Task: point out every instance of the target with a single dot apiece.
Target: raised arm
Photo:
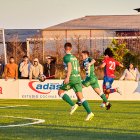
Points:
(92, 62)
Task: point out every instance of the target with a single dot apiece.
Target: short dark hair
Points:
(68, 44)
(25, 56)
(108, 52)
(11, 57)
(86, 52)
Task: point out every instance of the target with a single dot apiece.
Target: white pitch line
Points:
(13, 106)
(36, 121)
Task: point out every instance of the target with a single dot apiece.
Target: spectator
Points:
(49, 67)
(36, 69)
(11, 70)
(24, 68)
(131, 73)
(1, 68)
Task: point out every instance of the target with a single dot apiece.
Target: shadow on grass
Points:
(54, 132)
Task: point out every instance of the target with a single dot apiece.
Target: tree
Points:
(36, 49)
(80, 43)
(15, 48)
(119, 49)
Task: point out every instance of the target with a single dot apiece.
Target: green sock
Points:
(67, 99)
(104, 98)
(86, 106)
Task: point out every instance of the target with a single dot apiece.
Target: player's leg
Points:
(107, 84)
(64, 96)
(96, 88)
(104, 98)
(78, 90)
(85, 83)
(108, 88)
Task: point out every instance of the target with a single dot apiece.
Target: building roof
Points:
(116, 22)
(23, 34)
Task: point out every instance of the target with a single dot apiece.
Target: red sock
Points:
(113, 90)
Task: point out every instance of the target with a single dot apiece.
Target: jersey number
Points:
(112, 65)
(75, 66)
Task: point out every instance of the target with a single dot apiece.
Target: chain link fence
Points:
(41, 48)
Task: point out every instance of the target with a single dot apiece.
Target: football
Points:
(42, 78)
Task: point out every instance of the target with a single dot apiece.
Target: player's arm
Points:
(66, 81)
(92, 62)
(102, 65)
(121, 65)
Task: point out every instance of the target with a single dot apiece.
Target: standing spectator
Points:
(36, 69)
(49, 67)
(11, 70)
(1, 68)
(24, 68)
(131, 73)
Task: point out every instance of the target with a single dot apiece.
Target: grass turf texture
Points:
(122, 122)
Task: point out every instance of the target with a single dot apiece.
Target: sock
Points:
(67, 99)
(113, 90)
(104, 98)
(86, 106)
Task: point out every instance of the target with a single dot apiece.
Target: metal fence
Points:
(41, 48)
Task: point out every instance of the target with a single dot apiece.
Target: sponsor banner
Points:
(9, 89)
(49, 89)
(25, 89)
(41, 90)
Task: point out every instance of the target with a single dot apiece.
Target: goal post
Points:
(3, 52)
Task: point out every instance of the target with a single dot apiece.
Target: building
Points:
(91, 32)
(15, 40)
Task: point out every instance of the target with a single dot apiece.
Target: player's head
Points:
(85, 54)
(68, 47)
(11, 60)
(108, 52)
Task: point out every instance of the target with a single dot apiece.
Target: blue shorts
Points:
(107, 82)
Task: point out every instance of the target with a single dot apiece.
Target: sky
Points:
(39, 14)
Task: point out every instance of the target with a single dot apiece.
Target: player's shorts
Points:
(91, 81)
(107, 82)
(75, 84)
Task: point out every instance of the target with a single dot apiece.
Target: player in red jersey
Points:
(109, 64)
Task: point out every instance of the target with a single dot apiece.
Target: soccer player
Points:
(109, 64)
(73, 81)
(91, 79)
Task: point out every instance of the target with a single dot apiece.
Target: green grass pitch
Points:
(122, 122)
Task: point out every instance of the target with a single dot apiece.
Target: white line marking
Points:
(36, 121)
(13, 106)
